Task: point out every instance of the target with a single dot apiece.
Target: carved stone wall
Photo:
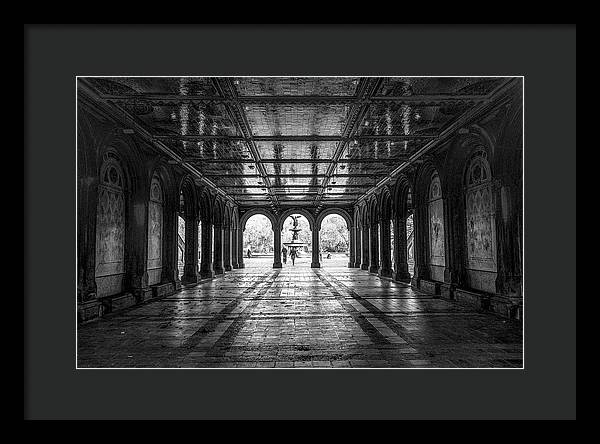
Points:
(437, 256)
(155, 230)
(480, 225)
(110, 230)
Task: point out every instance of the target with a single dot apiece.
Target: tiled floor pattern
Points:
(300, 317)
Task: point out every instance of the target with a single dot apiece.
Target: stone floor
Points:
(300, 317)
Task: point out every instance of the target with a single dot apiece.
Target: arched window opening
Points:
(297, 239)
(480, 223)
(335, 242)
(155, 232)
(110, 229)
(258, 241)
(437, 256)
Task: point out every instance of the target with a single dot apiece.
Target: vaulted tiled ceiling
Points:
(281, 141)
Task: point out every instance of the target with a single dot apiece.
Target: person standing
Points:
(284, 254)
(293, 256)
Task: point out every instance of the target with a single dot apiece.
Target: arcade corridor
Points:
(424, 175)
(300, 317)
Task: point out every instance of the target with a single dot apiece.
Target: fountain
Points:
(294, 244)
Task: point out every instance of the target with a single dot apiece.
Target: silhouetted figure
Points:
(293, 256)
(249, 253)
(284, 254)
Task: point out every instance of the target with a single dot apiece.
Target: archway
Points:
(334, 239)
(258, 241)
(301, 255)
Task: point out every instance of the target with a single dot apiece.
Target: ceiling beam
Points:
(275, 188)
(366, 89)
(299, 176)
(125, 120)
(175, 99)
(345, 160)
(465, 119)
(226, 88)
(304, 138)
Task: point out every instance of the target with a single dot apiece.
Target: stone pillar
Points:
(400, 273)
(241, 252)
(190, 256)
(385, 269)
(315, 248)
(420, 244)
(235, 248)
(509, 281)
(374, 248)
(86, 240)
(218, 250)
(227, 248)
(365, 248)
(206, 270)
(351, 246)
(277, 249)
(357, 246)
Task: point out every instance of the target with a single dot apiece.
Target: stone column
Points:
(240, 241)
(206, 270)
(365, 248)
(401, 273)
(385, 269)
(227, 248)
(218, 250)
(234, 248)
(357, 246)
(315, 248)
(87, 208)
(420, 244)
(351, 246)
(508, 228)
(190, 257)
(374, 248)
(277, 249)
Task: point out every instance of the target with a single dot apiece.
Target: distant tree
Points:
(334, 234)
(258, 235)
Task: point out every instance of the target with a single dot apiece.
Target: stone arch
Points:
(364, 215)
(227, 216)
(205, 206)
(235, 219)
(128, 152)
(338, 211)
(187, 192)
(402, 196)
(357, 218)
(289, 212)
(168, 183)
(373, 210)
(218, 212)
(248, 214)
(458, 155)
(384, 203)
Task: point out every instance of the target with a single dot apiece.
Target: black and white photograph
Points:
(296, 221)
(300, 222)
